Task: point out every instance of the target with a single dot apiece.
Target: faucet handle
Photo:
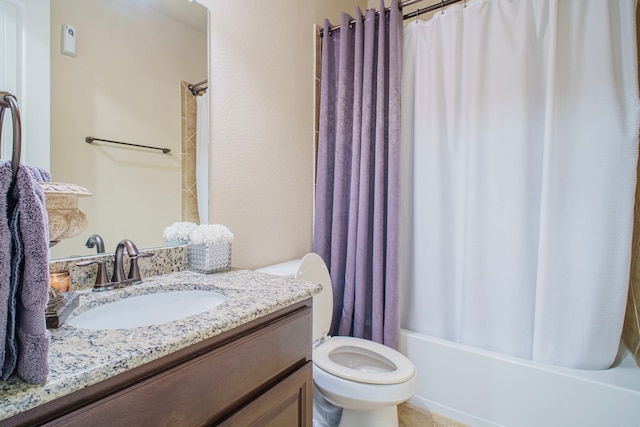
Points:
(134, 270)
(101, 277)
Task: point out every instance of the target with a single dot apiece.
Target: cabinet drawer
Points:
(207, 387)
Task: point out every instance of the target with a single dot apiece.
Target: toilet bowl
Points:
(364, 378)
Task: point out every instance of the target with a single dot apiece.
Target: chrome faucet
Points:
(95, 241)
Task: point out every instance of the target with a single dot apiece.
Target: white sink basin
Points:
(147, 310)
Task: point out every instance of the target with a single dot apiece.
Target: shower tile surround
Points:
(188, 123)
(77, 358)
(631, 330)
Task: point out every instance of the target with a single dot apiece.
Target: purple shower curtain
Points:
(357, 190)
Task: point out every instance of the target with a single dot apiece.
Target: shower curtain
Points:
(520, 136)
(202, 156)
(357, 196)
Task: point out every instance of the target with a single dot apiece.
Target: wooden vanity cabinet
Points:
(257, 374)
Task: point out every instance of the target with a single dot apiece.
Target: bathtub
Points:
(481, 388)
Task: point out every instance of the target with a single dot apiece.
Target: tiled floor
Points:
(413, 416)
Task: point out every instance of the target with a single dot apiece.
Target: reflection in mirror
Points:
(125, 83)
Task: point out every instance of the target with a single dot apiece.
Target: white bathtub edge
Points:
(486, 390)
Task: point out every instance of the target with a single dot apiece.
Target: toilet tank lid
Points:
(286, 269)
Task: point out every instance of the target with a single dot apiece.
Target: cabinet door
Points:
(287, 404)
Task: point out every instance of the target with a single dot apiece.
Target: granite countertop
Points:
(81, 357)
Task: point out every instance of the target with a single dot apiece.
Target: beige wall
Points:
(262, 123)
(123, 85)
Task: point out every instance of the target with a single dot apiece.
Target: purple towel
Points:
(17, 260)
(33, 292)
(5, 255)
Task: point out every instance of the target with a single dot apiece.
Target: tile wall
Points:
(188, 108)
(631, 331)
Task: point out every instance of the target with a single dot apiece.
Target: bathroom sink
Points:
(148, 310)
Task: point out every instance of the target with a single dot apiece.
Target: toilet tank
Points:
(312, 269)
(285, 269)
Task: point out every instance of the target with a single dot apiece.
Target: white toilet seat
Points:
(388, 365)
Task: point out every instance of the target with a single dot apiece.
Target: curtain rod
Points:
(418, 12)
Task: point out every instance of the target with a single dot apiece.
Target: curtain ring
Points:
(464, 3)
(442, 6)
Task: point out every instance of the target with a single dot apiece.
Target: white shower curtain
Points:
(520, 135)
(202, 156)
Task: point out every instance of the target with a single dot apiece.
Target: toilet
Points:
(364, 378)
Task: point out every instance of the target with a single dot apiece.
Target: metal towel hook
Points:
(9, 101)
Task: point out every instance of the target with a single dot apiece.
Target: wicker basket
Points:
(209, 257)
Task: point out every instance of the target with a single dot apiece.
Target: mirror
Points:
(124, 84)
